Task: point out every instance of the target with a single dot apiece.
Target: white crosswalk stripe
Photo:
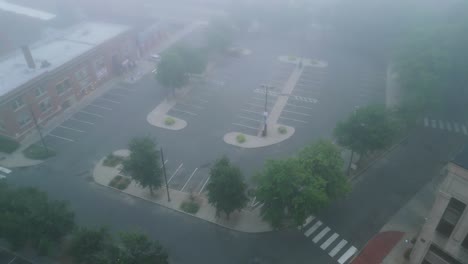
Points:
(330, 240)
(426, 122)
(308, 221)
(434, 124)
(313, 228)
(349, 253)
(457, 129)
(338, 248)
(2, 176)
(441, 124)
(5, 170)
(449, 127)
(464, 130)
(446, 125)
(321, 235)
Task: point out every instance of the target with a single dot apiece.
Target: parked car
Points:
(155, 57)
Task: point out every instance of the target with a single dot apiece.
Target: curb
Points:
(180, 211)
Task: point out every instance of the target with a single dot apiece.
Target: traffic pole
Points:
(165, 176)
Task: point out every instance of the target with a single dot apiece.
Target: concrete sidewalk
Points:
(245, 220)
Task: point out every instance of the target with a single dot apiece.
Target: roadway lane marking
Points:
(457, 129)
(321, 235)
(70, 128)
(182, 111)
(292, 119)
(175, 172)
(245, 110)
(329, 241)
(349, 253)
(5, 170)
(293, 105)
(194, 171)
(89, 113)
(449, 127)
(308, 220)
(313, 228)
(297, 113)
(464, 129)
(441, 124)
(338, 248)
(78, 120)
(248, 118)
(203, 187)
(108, 100)
(67, 139)
(237, 124)
(102, 107)
(426, 122)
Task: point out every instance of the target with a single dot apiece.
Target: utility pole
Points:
(265, 113)
(38, 128)
(165, 176)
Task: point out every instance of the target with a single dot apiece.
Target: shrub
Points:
(8, 145)
(112, 160)
(38, 152)
(282, 130)
(169, 121)
(407, 253)
(240, 138)
(115, 181)
(292, 58)
(123, 183)
(190, 207)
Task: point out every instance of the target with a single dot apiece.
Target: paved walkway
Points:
(244, 220)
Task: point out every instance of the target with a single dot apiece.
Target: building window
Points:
(23, 118)
(45, 105)
(17, 103)
(450, 217)
(100, 68)
(63, 86)
(83, 79)
(41, 90)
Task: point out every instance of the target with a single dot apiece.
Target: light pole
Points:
(38, 128)
(165, 177)
(265, 113)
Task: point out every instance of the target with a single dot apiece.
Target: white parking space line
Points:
(457, 129)
(263, 100)
(191, 105)
(175, 172)
(328, 242)
(102, 107)
(256, 105)
(248, 118)
(338, 248)
(67, 139)
(426, 122)
(70, 128)
(108, 100)
(182, 111)
(250, 111)
(5, 170)
(201, 100)
(237, 124)
(321, 235)
(2, 176)
(305, 107)
(164, 164)
(308, 220)
(313, 228)
(292, 119)
(203, 187)
(441, 124)
(449, 127)
(92, 114)
(11, 261)
(349, 253)
(193, 173)
(118, 94)
(297, 113)
(78, 120)
(434, 123)
(464, 130)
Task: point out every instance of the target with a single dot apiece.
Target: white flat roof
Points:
(76, 41)
(26, 11)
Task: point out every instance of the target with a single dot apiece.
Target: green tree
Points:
(171, 73)
(226, 190)
(194, 60)
(367, 129)
(93, 246)
(143, 164)
(289, 193)
(137, 248)
(219, 35)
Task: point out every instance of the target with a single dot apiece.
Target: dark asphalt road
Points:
(384, 189)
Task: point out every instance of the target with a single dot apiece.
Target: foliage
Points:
(282, 130)
(38, 152)
(240, 138)
(169, 121)
(191, 206)
(28, 216)
(226, 190)
(120, 182)
(8, 145)
(112, 160)
(219, 35)
(297, 187)
(136, 248)
(194, 59)
(93, 246)
(143, 163)
(367, 129)
(171, 71)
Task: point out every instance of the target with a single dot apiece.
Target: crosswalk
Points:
(4, 171)
(338, 248)
(449, 126)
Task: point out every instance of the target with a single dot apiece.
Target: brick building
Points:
(44, 79)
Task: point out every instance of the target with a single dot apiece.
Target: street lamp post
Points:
(165, 176)
(36, 124)
(265, 113)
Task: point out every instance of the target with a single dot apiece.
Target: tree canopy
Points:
(171, 71)
(143, 164)
(137, 248)
(226, 190)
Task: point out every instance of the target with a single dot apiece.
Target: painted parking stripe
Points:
(242, 125)
(193, 173)
(191, 105)
(441, 124)
(203, 187)
(256, 105)
(449, 127)
(72, 129)
(312, 229)
(321, 235)
(250, 111)
(2, 176)
(182, 111)
(5, 170)
(78, 120)
(67, 139)
(457, 129)
(338, 248)
(11, 261)
(297, 113)
(161, 166)
(92, 114)
(308, 221)
(108, 100)
(349, 253)
(329, 241)
(263, 100)
(434, 123)
(305, 107)
(201, 100)
(248, 118)
(295, 120)
(175, 172)
(102, 107)
(118, 94)
(464, 129)
(426, 122)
